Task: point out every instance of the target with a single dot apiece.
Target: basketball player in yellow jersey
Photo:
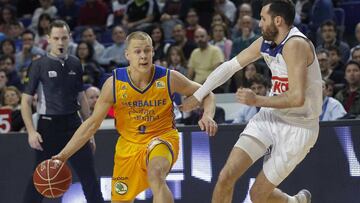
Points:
(148, 144)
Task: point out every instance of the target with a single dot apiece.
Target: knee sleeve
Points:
(252, 146)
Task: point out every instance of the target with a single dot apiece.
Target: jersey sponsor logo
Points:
(160, 84)
(144, 103)
(120, 178)
(141, 114)
(121, 188)
(280, 85)
(52, 74)
(267, 59)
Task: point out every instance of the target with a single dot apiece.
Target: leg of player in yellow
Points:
(160, 161)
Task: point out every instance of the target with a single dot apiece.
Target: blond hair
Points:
(10, 88)
(138, 35)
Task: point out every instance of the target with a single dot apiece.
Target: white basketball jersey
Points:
(310, 111)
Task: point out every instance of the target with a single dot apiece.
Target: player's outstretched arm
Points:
(224, 72)
(186, 87)
(297, 54)
(91, 125)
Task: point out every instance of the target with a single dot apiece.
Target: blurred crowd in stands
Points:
(189, 36)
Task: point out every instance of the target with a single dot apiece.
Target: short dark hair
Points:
(260, 79)
(16, 23)
(329, 82)
(335, 48)
(59, 24)
(322, 50)
(27, 31)
(5, 57)
(351, 62)
(283, 8)
(330, 23)
(86, 29)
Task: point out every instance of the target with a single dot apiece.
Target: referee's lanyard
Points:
(324, 106)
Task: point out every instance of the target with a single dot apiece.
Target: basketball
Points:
(52, 178)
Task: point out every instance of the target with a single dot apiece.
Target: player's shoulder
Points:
(297, 40)
(174, 75)
(109, 82)
(297, 43)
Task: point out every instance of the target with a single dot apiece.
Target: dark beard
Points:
(271, 33)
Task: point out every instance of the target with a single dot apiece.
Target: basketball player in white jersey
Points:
(289, 118)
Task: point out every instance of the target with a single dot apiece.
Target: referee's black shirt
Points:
(57, 83)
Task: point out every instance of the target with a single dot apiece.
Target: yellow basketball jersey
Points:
(141, 115)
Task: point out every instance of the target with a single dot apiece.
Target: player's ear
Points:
(127, 54)
(278, 20)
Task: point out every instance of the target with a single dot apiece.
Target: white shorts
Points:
(289, 144)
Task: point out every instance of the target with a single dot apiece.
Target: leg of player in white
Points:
(262, 191)
(289, 147)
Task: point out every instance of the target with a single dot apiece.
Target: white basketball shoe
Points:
(303, 196)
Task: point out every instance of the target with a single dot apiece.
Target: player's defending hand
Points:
(208, 124)
(189, 104)
(34, 140)
(246, 96)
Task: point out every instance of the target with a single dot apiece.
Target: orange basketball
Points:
(52, 178)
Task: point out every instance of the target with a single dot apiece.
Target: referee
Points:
(57, 80)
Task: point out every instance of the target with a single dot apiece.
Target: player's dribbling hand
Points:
(189, 104)
(246, 96)
(34, 140)
(59, 157)
(208, 124)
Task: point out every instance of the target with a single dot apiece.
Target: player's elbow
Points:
(92, 126)
(297, 100)
(211, 96)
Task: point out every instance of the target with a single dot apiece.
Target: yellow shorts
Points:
(130, 165)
